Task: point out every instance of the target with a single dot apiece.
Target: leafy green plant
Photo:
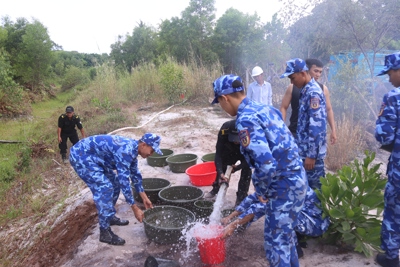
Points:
(172, 81)
(353, 198)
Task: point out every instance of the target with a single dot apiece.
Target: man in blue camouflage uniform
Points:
(96, 158)
(310, 219)
(387, 133)
(278, 175)
(311, 125)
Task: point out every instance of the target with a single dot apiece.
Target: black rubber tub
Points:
(181, 196)
(180, 162)
(164, 224)
(208, 157)
(157, 160)
(152, 186)
(203, 208)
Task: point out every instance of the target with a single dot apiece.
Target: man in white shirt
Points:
(259, 90)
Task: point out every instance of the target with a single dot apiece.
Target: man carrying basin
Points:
(228, 153)
(310, 221)
(95, 158)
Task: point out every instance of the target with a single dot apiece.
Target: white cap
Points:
(256, 71)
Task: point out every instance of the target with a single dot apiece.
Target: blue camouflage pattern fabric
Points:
(294, 66)
(387, 132)
(311, 130)
(310, 221)
(392, 62)
(278, 176)
(224, 85)
(152, 140)
(95, 160)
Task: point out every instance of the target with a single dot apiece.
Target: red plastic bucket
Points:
(210, 244)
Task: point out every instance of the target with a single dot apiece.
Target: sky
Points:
(91, 26)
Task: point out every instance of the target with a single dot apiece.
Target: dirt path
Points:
(183, 131)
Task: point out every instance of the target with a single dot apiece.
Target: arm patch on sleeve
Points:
(314, 103)
(244, 137)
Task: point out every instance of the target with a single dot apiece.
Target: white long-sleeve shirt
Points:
(260, 93)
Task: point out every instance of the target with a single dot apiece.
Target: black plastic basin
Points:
(182, 196)
(164, 224)
(152, 186)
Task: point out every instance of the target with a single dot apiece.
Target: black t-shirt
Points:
(294, 103)
(68, 125)
(228, 153)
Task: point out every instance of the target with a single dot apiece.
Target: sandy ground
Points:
(184, 131)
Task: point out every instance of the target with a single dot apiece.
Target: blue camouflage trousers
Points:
(102, 182)
(390, 233)
(281, 213)
(314, 175)
(311, 225)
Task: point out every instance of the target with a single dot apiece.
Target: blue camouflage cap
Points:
(152, 140)
(392, 62)
(225, 85)
(293, 66)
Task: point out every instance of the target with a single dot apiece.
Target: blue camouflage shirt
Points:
(114, 153)
(311, 124)
(267, 145)
(387, 129)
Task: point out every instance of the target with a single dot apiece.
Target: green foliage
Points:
(131, 51)
(104, 104)
(74, 76)
(353, 198)
(11, 213)
(12, 96)
(35, 56)
(171, 81)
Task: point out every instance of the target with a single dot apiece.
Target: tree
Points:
(139, 48)
(35, 56)
(239, 41)
(198, 21)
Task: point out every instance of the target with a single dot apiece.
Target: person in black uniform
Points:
(66, 129)
(228, 153)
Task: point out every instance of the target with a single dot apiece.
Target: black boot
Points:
(302, 240)
(300, 253)
(117, 221)
(385, 262)
(107, 236)
(64, 158)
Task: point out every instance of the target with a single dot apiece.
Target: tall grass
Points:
(349, 145)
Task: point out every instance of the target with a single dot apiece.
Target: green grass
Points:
(42, 122)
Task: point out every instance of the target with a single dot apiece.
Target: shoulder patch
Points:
(244, 137)
(314, 103)
(224, 131)
(381, 110)
(62, 116)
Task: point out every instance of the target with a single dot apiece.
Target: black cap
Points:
(69, 109)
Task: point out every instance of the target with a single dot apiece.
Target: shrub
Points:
(73, 77)
(171, 81)
(353, 198)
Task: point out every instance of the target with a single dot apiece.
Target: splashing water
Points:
(215, 217)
